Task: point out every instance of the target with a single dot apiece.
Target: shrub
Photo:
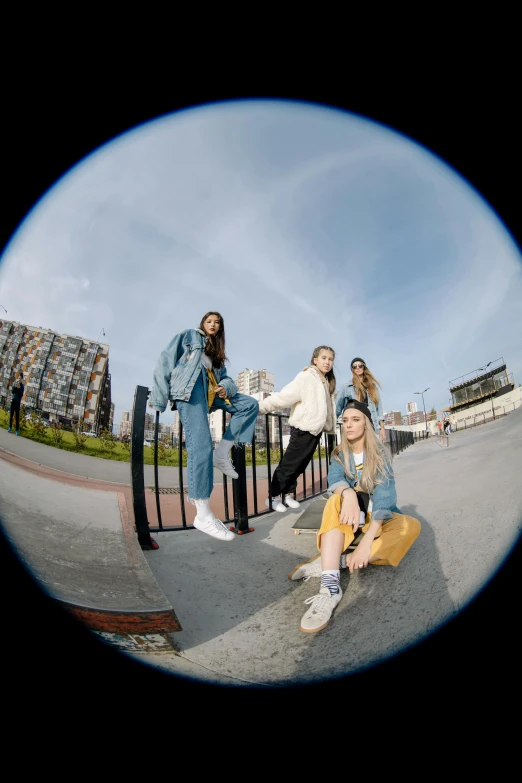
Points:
(56, 433)
(107, 440)
(80, 438)
(38, 428)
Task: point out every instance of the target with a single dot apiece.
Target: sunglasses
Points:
(357, 366)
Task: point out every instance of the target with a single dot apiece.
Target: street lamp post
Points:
(422, 393)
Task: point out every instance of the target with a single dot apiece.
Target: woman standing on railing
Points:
(311, 399)
(364, 387)
(360, 467)
(191, 372)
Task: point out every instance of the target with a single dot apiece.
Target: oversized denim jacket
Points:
(178, 368)
(349, 392)
(384, 497)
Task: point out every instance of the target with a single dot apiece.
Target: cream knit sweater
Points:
(306, 396)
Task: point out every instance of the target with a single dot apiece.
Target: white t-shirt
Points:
(359, 464)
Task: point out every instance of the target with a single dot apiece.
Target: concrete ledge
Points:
(121, 622)
(80, 545)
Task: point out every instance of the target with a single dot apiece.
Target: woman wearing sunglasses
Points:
(364, 388)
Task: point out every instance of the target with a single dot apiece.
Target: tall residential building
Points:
(273, 424)
(254, 381)
(150, 423)
(393, 418)
(125, 424)
(166, 431)
(170, 431)
(215, 421)
(65, 376)
(411, 407)
(417, 417)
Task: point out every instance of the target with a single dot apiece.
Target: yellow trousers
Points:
(391, 543)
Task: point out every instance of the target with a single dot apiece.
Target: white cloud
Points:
(301, 225)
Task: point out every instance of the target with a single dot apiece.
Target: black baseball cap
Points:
(360, 406)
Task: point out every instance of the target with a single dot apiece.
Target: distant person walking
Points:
(17, 394)
(447, 427)
(311, 399)
(191, 372)
(364, 387)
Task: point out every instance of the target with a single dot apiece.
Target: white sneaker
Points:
(276, 505)
(291, 503)
(214, 527)
(307, 570)
(224, 464)
(321, 609)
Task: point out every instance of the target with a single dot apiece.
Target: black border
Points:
(51, 125)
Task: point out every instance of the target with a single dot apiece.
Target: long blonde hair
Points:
(377, 458)
(330, 377)
(367, 382)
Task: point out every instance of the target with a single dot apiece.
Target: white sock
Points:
(203, 509)
(222, 450)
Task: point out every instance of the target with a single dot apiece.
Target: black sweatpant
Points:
(295, 459)
(15, 411)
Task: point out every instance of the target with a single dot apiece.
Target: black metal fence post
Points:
(136, 461)
(268, 462)
(239, 486)
(330, 447)
(156, 479)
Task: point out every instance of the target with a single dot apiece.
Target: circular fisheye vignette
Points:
(306, 104)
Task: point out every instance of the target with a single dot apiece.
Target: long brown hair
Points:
(215, 347)
(377, 458)
(329, 375)
(367, 382)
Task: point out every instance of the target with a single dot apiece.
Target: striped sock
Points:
(330, 579)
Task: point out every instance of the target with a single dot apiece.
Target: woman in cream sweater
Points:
(311, 399)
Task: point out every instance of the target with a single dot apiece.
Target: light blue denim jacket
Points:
(349, 392)
(179, 367)
(384, 497)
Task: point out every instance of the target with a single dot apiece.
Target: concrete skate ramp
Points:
(80, 546)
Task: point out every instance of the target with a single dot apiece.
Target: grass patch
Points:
(115, 450)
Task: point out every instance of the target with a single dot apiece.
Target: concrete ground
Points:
(240, 614)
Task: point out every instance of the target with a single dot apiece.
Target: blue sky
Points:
(302, 225)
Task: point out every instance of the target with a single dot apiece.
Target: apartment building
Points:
(66, 377)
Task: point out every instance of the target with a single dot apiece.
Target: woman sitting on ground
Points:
(360, 464)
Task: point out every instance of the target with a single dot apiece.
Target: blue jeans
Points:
(194, 418)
